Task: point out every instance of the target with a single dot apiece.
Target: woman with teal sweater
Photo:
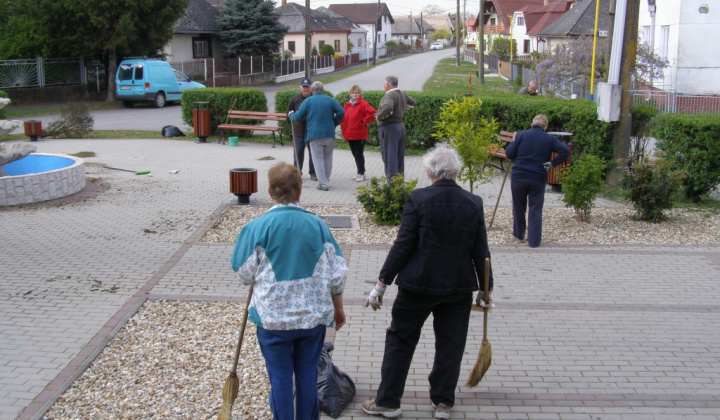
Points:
(298, 272)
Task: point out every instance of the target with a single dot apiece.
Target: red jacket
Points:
(356, 116)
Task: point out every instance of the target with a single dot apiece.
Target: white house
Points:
(366, 16)
(684, 32)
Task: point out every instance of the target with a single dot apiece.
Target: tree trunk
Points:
(111, 70)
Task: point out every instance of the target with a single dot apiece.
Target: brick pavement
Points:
(579, 332)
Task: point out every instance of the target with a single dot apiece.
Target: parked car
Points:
(150, 80)
(436, 45)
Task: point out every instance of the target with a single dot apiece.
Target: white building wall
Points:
(693, 56)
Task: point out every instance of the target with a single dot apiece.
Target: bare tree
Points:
(433, 9)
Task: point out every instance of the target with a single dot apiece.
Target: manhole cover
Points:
(341, 222)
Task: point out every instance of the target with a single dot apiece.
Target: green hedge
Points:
(2, 111)
(692, 144)
(221, 100)
(513, 113)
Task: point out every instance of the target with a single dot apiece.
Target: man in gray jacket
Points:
(391, 129)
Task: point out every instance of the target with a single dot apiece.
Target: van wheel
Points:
(159, 100)
(127, 104)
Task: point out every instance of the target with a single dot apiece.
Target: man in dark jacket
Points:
(530, 152)
(391, 129)
(299, 129)
(436, 261)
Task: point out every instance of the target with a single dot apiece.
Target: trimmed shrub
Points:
(692, 144)
(650, 186)
(75, 121)
(327, 50)
(385, 200)
(582, 182)
(221, 100)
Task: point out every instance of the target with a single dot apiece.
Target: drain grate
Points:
(338, 222)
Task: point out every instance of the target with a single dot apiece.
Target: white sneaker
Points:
(360, 178)
(442, 411)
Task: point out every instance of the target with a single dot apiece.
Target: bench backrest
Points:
(507, 136)
(256, 115)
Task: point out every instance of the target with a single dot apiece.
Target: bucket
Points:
(232, 141)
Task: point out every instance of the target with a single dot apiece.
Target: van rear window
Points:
(126, 71)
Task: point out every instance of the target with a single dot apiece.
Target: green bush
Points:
(692, 144)
(650, 186)
(642, 117)
(327, 50)
(470, 133)
(385, 200)
(220, 101)
(582, 182)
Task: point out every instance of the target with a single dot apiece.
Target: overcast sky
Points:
(401, 8)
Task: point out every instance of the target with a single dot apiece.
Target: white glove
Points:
(547, 166)
(374, 300)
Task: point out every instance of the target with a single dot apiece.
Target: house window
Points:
(526, 46)
(492, 21)
(321, 44)
(520, 21)
(201, 48)
(337, 45)
(405, 37)
(664, 41)
(291, 46)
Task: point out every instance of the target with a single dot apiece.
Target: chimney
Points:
(284, 2)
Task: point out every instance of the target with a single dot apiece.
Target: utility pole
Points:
(307, 39)
(457, 35)
(481, 43)
(622, 130)
(375, 41)
(412, 46)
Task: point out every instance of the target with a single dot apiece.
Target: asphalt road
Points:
(412, 71)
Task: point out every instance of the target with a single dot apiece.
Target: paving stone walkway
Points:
(579, 332)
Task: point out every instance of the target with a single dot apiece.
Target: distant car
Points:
(436, 46)
(150, 80)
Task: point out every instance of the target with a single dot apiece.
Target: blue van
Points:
(150, 80)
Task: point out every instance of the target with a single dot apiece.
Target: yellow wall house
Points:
(326, 27)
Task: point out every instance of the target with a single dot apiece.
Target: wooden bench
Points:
(237, 120)
(497, 152)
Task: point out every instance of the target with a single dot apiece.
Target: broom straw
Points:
(484, 358)
(232, 385)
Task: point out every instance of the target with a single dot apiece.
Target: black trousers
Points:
(451, 316)
(299, 155)
(528, 195)
(357, 147)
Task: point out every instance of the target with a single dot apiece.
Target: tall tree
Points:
(433, 9)
(250, 27)
(103, 29)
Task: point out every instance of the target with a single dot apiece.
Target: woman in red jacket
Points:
(358, 116)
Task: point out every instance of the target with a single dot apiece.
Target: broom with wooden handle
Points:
(232, 385)
(484, 358)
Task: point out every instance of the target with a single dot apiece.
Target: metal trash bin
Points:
(243, 182)
(201, 121)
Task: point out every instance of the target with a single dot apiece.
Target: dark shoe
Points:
(313, 177)
(370, 408)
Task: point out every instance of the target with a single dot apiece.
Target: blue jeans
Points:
(293, 352)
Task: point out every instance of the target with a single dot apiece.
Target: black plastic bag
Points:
(171, 131)
(335, 388)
